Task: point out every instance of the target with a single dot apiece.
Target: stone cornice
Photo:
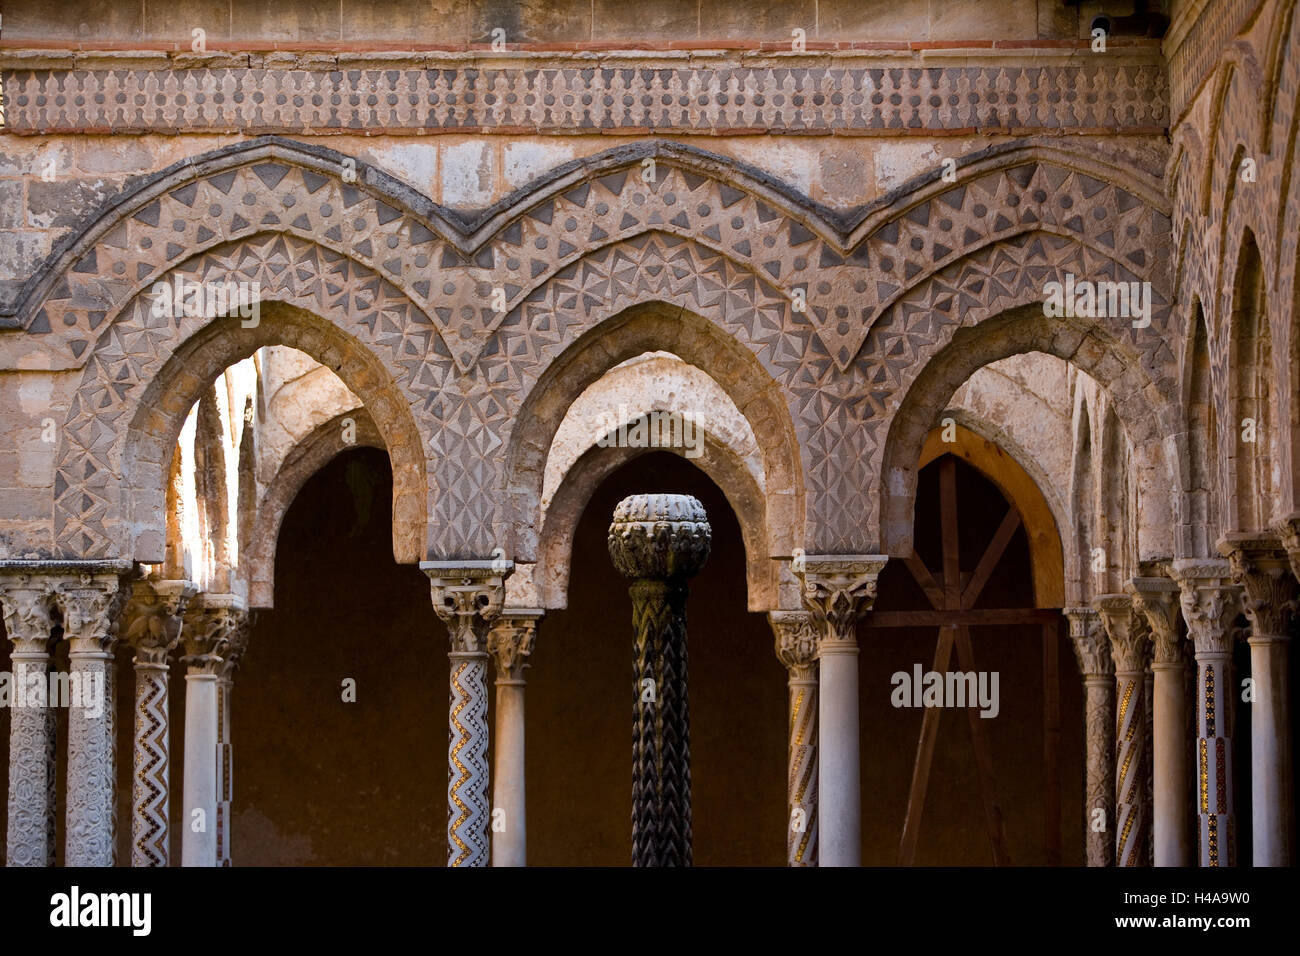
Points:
(1019, 92)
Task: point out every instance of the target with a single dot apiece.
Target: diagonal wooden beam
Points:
(926, 581)
(983, 759)
(924, 759)
(992, 555)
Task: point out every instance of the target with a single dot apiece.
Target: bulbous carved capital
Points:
(1210, 603)
(838, 590)
(28, 604)
(510, 641)
(211, 622)
(1269, 591)
(1130, 637)
(659, 537)
(91, 605)
(1155, 599)
(467, 597)
(1091, 645)
(796, 642)
(151, 620)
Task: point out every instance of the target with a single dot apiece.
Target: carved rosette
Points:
(1263, 571)
(467, 597)
(659, 542)
(796, 646)
(510, 643)
(152, 625)
(1092, 652)
(91, 605)
(28, 605)
(838, 590)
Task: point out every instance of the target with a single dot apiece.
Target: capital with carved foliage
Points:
(467, 597)
(796, 642)
(838, 589)
(1263, 570)
(211, 622)
(1210, 602)
(1130, 637)
(1091, 645)
(151, 621)
(92, 602)
(29, 611)
(1156, 600)
(510, 641)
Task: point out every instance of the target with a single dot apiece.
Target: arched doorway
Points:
(968, 789)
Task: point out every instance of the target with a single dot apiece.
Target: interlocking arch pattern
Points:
(886, 286)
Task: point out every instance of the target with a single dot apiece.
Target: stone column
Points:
(28, 602)
(1261, 568)
(660, 542)
(209, 625)
(91, 603)
(796, 646)
(1156, 599)
(1210, 603)
(467, 596)
(152, 626)
(510, 643)
(231, 660)
(838, 589)
(1130, 646)
(1092, 653)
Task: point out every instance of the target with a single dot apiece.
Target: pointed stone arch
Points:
(146, 371)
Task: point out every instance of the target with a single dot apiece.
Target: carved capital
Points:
(1288, 532)
(211, 622)
(1156, 599)
(1130, 637)
(467, 597)
(1210, 603)
(510, 641)
(838, 589)
(92, 603)
(796, 642)
(1091, 645)
(1262, 569)
(659, 537)
(29, 611)
(236, 645)
(151, 620)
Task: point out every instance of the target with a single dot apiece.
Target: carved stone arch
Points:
(1020, 329)
(1117, 507)
(146, 371)
(723, 467)
(309, 456)
(655, 293)
(1280, 55)
(748, 354)
(1200, 407)
(1250, 371)
(1221, 90)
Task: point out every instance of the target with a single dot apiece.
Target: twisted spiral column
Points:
(28, 604)
(796, 646)
(1092, 652)
(1210, 604)
(467, 596)
(1130, 644)
(659, 542)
